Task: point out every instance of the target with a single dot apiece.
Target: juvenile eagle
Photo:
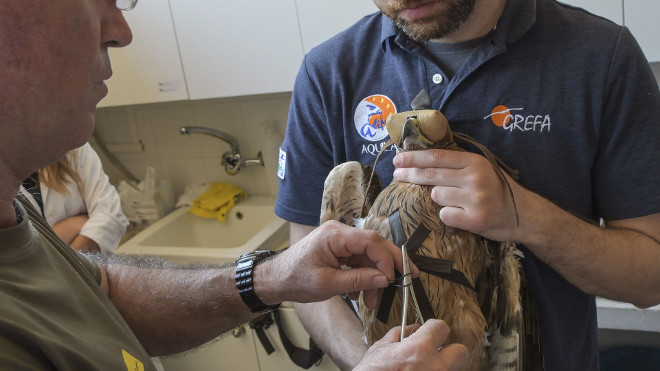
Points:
(474, 284)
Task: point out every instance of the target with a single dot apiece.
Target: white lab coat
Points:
(107, 222)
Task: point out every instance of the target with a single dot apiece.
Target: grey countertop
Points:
(623, 316)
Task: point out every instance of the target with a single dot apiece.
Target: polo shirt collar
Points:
(518, 17)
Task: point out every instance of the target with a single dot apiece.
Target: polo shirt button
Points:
(437, 78)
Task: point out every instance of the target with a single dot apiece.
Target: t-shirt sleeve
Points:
(626, 172)
(306, 154)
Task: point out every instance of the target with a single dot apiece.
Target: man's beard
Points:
(437, 25)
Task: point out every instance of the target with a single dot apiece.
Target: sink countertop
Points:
(183, 238)
(623, 316)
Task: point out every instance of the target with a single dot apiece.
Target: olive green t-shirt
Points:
(53, 313)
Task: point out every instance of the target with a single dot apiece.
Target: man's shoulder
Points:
(573, 18)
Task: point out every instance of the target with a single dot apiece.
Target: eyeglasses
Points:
(126, 4)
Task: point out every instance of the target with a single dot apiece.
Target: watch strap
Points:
(244, 278)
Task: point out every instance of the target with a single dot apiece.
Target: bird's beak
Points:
(412, 137)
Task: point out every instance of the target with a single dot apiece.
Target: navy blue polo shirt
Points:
(563, 96)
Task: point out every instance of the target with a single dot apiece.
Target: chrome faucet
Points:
(231, 160)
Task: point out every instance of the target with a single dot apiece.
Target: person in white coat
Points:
(78, 201)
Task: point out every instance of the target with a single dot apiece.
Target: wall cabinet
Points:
(322, 19)
(149, 70)
(231, 48)
(198, 49)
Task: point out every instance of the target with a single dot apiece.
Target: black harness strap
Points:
(437, 267)
(425, 308)
(398, 238)
(386, 301)
(441, 268)
(412, 244)
(396, 228)
(260, 325)
(416, 238)
(304, 358)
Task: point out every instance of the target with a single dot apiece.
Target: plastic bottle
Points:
(270, 150)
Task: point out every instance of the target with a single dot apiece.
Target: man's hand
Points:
(311, 270)
(422, 350)
(466, 185)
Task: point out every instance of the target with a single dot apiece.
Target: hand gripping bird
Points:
(474, 284)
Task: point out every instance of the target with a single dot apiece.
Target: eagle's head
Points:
(420, 129)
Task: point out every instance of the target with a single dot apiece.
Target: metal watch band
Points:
(245, 265)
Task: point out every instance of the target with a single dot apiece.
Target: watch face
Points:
(257, 253)
(249, 255)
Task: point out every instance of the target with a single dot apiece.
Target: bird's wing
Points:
(502, 306)
(510, 311)
(532, 352)
(348, 193)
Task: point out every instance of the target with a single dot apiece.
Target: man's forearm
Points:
(617, 262)
(84, 243)
(332, 324)
(173, 309)
(335, 329)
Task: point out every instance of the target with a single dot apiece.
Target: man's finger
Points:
(384, 255)
(431, 158)
(434, 329)
(359, 279)
(455, 355)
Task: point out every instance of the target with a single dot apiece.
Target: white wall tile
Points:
(171, 145)
(181, 172)
(246, 179)
(196, 158)
(224, 115)
(273, 109)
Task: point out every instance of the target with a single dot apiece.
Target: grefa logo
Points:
(512, 119)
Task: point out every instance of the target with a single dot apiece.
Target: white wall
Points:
(656, 70)
(183, 160)
(196, 158)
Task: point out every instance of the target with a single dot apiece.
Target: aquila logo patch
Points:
(370, 117)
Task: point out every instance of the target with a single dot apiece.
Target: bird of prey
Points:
(474, 284)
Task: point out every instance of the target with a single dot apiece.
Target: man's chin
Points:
(420, 30)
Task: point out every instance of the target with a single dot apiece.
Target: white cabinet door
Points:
(322, 19)
(229, 353)
(232, 48)
(149, 69)
(642, 19)
(610, 9)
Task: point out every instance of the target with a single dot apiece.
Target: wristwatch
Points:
(245, 265)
